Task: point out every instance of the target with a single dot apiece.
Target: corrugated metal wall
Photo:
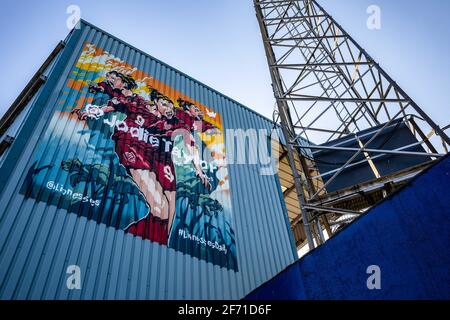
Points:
(38, 241)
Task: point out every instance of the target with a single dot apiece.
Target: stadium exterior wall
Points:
(39, 240)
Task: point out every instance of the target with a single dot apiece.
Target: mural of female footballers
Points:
(149, 164)
(123, 148)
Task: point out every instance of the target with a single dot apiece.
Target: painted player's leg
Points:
(171, 198)
(153, 192)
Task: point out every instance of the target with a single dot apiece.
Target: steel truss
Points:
(328, 87)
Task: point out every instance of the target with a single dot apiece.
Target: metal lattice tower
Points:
(328, 87)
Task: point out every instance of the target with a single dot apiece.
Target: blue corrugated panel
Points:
(40, 239)
(406, 236)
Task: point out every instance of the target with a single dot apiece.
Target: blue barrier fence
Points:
(407, 236)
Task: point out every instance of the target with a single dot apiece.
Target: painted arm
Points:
(102, 87)
(94, 112)
(189, 142)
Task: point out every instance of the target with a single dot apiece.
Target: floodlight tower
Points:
(331, 92)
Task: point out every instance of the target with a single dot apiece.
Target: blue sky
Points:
(218, 42)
